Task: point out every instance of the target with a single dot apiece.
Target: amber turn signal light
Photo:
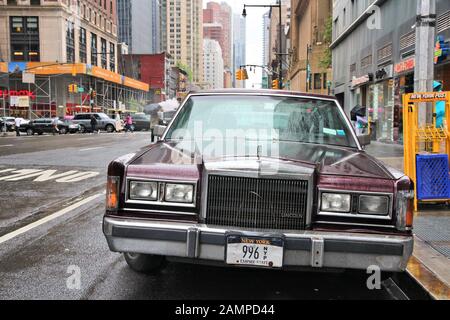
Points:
(112, 193)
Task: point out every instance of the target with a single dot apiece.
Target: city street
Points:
(36, 255)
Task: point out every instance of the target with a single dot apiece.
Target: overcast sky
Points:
(254, 33)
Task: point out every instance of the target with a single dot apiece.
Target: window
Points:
(317, 81)
(104, 54)
(83, 43)
(94, 49)
(112, 56)
(24, 35)
(70, 41)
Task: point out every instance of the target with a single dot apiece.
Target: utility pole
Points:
(425, 43)
(280, 55)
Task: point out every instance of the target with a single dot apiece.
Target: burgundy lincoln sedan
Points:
(263, 179)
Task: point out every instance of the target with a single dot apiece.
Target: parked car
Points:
(263, 179)
(72, 127)
(41, 126)
(141, 122)
(10, 123)
(103, 122)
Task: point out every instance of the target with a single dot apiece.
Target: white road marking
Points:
(89, 149)
(78, 177)
(47, 175)
(7, 145)
(51, 217)
(6, 170)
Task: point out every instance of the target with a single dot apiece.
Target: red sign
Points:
(406, 65)
(14, 93)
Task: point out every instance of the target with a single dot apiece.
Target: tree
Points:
(327, 58)
(185, 68)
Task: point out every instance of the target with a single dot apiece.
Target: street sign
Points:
(28, 77)
(80, 90)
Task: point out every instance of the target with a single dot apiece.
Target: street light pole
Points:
(280, 31)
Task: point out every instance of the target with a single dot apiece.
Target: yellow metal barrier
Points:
(426, 138)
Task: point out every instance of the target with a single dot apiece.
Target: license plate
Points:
(253, 251)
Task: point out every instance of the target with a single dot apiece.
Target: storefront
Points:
(380, 102)
(65, 89)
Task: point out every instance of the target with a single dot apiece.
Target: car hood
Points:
(167, 158)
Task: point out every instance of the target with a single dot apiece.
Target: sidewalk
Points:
(430, 265)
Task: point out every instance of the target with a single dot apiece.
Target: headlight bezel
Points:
(161, 193)
(354, 212)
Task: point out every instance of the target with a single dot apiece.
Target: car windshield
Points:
(262, 118)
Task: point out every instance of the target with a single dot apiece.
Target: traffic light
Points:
(73, 88)
(275, 84)
(244, 74)
(239, 74)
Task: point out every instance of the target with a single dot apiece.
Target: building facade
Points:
(184, 35)
(221, 13)
(153, 69)
(134, 16)
(307, 72)
(239, 47)
(374, 60)
(213, 64)
(62, 43)
(265, 53)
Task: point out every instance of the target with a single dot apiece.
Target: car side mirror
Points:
(364, 140)
(159, 130)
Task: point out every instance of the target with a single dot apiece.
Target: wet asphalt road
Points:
(35, 263)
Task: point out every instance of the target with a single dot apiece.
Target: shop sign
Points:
(428, 96)
(14, 93)
(362, 80)
(441, 50)
(19, 101)
(405, 66)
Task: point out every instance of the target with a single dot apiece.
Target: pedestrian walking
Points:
(93, 123)
(17, 123)
(55, 128)
(129, 123)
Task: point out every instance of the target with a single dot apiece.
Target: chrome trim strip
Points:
(351, 215)
(160, 211)
(355, 224)
(161, 191)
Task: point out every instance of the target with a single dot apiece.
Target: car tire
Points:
(144, 263)
(109, 128)
(82, 129)
(62, 131)
(30, 132)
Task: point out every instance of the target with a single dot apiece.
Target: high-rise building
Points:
(134, 16)
(184, 35)
(239, 49)
(266, 56)
(220, 13)
(213, 64)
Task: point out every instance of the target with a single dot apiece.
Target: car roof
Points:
(265, 92)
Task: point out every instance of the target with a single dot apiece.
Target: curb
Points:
(430, 269)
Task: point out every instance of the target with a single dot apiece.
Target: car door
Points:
(100, 121)
(47, 126)
(37, 125)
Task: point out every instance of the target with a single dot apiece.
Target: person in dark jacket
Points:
(93, 124)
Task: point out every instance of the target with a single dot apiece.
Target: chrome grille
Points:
(257, 203)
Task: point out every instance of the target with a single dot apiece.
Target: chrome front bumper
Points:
(302, 248)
